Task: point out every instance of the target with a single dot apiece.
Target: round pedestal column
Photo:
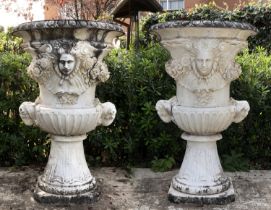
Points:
(201, 178)
(66, 177)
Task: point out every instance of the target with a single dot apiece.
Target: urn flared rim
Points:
(67, 24)
(204, 24)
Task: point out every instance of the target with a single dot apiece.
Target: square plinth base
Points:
(219, 199)
(44, 197)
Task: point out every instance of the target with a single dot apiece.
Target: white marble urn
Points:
(203, 66)
(67, 64)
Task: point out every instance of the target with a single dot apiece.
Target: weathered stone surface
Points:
(140, 190)
(204, 23)
(80, 198)
(56, 24)
(67, 64)
(225, 197)
(203, 66)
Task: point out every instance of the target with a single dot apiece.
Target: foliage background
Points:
(257, 14)
(138, 80)
(19, 144)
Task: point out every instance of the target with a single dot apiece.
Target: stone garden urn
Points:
(203, 66)
(67, 64)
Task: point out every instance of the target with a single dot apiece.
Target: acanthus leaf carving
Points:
(50, 175)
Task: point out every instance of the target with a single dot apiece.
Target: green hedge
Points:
(257, 14)
(252, 137)
(18, 144)
(137, 136)
(138, 80)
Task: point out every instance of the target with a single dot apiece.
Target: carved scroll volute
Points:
(229, 69)
(180, 63)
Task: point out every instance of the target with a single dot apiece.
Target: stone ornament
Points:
(203, 66)
(67, 64)
(75, 65)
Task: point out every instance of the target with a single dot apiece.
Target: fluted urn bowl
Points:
(66, 122)
(203, 121)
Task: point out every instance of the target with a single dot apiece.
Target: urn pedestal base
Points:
(201, 178)
(44, 197)
(66, 178)
(217, 199)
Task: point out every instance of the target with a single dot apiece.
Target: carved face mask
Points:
(66, 64)
(204, 65)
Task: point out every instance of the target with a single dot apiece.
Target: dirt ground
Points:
(140, 190)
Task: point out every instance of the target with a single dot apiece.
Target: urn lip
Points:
(204, 24)
(67, 24)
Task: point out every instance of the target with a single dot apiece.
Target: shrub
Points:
(138, 80)
(252, 137)
(257, 14)
(10, 43)
(163, 164)
(18, 144)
